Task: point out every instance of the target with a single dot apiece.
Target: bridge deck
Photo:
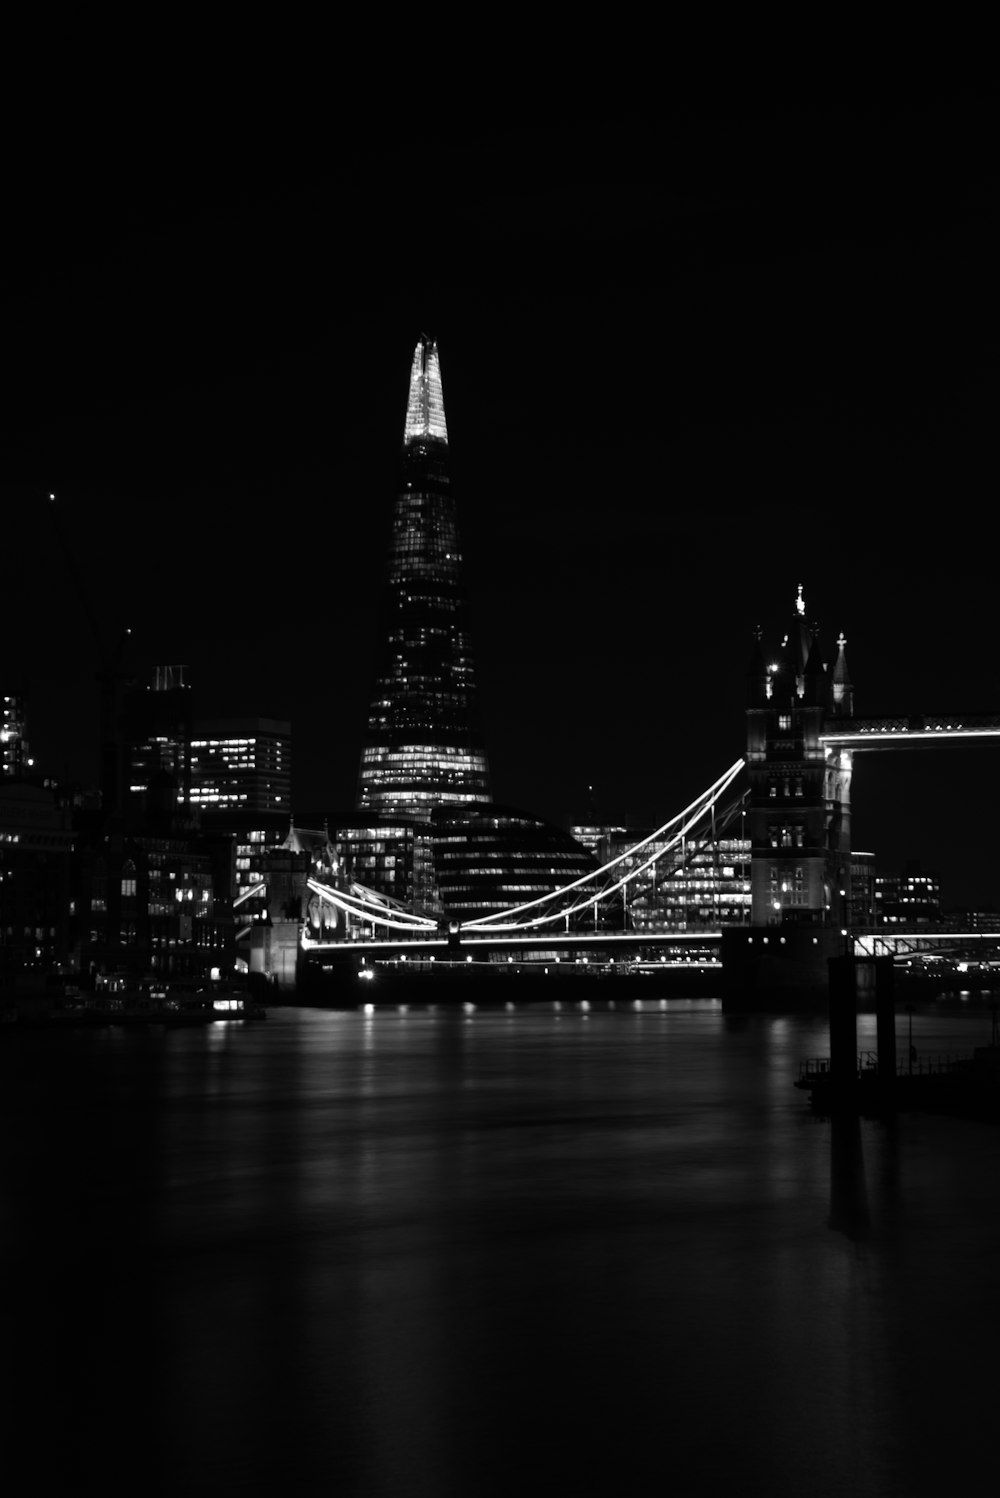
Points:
(891, 732)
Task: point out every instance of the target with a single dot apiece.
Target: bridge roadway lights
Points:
(784, 964)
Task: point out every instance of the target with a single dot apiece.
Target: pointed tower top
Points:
(425, 406)
(759, 687)
(843, 691)
(814, 685)
(800, 603)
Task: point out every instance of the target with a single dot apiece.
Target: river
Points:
(542, 1250)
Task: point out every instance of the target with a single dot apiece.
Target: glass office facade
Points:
(242, 764)
(488, 859)
(423, 746)
(695, 884)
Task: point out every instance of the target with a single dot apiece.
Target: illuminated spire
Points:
(425, 407)
(843, 691)
(800, 644)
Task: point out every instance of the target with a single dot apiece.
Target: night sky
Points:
(691, 359)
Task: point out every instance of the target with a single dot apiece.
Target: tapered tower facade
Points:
(423, 746)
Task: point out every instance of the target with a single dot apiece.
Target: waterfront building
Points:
(696, 884)
(151, 892)
(489, 858)
(36, 843)
(423, 746)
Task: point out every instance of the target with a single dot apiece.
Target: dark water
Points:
(461, 1254)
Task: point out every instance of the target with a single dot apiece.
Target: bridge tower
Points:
(800, 789)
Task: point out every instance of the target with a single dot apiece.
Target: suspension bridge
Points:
(786, 805)
(589, 910)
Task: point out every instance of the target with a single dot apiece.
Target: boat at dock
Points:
(172, 1004)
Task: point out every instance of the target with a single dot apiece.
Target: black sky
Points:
(692, 357)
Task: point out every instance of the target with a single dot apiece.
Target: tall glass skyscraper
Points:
(424, 746)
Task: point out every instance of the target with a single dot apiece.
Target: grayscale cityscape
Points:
(499, 938)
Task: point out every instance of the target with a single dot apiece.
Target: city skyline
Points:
(689, 368)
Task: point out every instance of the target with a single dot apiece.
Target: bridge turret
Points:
(799, 642)
(783, 676)
(842, 690)
(758, 685)
(799, 792)
(815, 691)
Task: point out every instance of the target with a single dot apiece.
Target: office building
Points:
(490, 858)
(910, 898)
(156, 722)
(151, 892)
(693, 884)
(242, 764)
(423, 747)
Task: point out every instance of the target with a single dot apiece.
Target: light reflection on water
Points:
(548, 1250)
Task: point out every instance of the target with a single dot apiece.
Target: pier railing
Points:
(920, 1066)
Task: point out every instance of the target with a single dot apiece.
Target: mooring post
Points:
(885, 1030)
(843, 1031)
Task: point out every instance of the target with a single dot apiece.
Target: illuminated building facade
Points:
(423, 747)
(489, 858)
(910, 898)
(157, 730)
(799, 809)
(255, 834)
(696, 884)
(151, 892)
(35, 850)
(862, 907)
(242, 764)
(15, 760)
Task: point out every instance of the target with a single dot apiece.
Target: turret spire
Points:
(425, 406)
(759, 687)
(843, 691)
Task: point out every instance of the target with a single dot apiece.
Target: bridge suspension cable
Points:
(367, 909)
(688, 820)
(599, 884)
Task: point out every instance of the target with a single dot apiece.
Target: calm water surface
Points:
(542, 1251)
